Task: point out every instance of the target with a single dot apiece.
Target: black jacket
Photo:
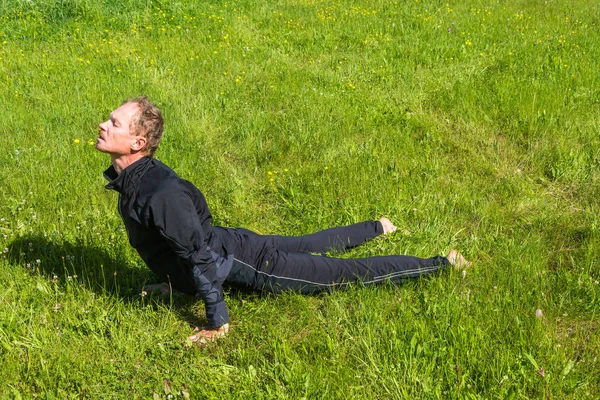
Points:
(169, 224)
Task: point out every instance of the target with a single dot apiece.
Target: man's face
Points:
(114, 136)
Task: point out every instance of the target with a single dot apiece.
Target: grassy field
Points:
(471, 124)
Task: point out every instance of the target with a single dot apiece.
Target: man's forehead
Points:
(126, 110)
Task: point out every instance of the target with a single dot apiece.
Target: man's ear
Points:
(139, 143)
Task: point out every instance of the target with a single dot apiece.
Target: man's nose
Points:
(102, 125)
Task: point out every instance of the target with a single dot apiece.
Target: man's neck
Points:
(123, 161)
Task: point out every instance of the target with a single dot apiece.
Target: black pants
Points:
(276, 263)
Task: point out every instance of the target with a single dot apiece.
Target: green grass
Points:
(472, 125)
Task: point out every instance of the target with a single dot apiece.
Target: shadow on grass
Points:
(99, 269)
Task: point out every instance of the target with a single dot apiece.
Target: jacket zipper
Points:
(122, 217)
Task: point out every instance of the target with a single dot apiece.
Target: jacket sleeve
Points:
(176, 219)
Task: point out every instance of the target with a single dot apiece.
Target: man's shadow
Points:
(110, 273)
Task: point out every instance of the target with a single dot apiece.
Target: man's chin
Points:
(99, 147)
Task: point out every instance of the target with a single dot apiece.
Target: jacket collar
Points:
(129, 177)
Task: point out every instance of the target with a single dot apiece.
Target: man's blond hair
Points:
(148, 122)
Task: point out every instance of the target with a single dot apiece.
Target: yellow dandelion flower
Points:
(76, 141)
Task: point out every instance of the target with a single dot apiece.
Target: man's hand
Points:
(162, 288)
(203, 335)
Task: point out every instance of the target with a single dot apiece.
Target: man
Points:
(169, 224)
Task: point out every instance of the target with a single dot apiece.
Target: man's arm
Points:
(201, 335)
(174, 215)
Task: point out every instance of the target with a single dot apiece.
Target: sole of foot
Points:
(388, 227)
(457, 260)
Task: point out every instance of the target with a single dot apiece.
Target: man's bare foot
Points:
(163, 288)
(388, 227)
(457, 260)
(203, 335)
